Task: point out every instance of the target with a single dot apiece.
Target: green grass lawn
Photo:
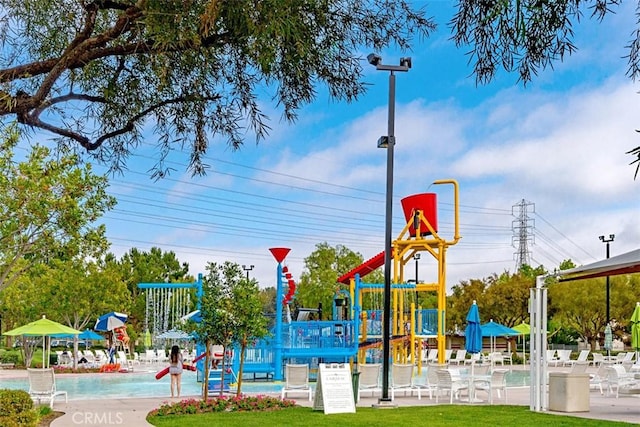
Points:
(441, 415)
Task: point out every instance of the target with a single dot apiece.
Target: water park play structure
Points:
(354, 332)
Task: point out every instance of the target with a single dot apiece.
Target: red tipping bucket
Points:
(427, 203)
(279, 253)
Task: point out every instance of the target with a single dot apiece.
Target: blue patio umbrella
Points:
(472, 333)
(492, 330)
(110, 321)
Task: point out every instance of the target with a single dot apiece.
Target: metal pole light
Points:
(607, 241)
(388, 141)
(247, 269)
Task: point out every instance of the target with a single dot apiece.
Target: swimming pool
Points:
(144, 384)
(134, 384)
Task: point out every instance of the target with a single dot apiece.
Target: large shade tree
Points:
(97, 73)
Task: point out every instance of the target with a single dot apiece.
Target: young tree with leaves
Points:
(49, 208)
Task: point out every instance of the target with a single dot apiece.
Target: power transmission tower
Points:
(522, 228)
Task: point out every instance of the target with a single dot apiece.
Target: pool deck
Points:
(133, 412)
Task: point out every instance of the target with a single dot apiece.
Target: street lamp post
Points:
(247, 269)
(607, 241)
(388, 141)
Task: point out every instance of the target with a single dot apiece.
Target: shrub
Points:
(222, 404)
(16, 409)
(9, 357)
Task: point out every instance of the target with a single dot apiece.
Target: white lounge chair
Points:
(369, 378)
(42, 385)
(402, 380)
(598, 359)
(296, 380)
(619, 379)
(582, 357)
(460, 357)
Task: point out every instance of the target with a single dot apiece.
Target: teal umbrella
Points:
(608, 339)
(635, 330)
(472, 333)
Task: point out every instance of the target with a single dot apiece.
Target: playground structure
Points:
(352, 333)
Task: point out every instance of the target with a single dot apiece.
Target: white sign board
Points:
(334, 389)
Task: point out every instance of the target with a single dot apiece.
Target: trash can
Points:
(568, 392)
(355, 381)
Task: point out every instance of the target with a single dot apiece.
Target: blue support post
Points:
(277, 375)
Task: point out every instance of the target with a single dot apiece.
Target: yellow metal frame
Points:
(405, 247)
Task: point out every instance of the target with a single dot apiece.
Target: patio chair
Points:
(151, 356)
(496, 358)
(461, 356)
(579, 367)
(447, 384)
(369, 379)
(42, 385)
(431, 356)
(599, 378)
(431, 381)
(620, 357)
(496, 382)
(618, 378)
(296, 380)
(475, 358)
(597, 359)
(628, 357)
(402, 380)
(551, 358)
(582, 357)
(447, 355)
(563, 356)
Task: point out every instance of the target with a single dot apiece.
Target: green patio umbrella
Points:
(635, 330)
(42, 328)
(524, 330)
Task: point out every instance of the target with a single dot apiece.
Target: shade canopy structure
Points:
(626, 263)
(635, 330)
(110, 321)
(42, 328)
(473, 333)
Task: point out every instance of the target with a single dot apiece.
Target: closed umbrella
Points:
(472, 333)
(608, 339)
(42, 328)
(635, 330)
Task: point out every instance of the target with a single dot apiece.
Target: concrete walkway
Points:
(133, 412)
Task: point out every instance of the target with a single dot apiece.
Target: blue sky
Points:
(558, 143)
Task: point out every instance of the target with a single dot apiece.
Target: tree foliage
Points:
(194, 68)
(526, 36)
(231, 311)
(153, 266)
(322, 269)
(48, 209)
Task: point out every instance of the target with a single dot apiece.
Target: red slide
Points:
(165, 371)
